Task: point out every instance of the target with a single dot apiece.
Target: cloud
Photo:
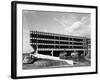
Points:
(45, 30)
(65, 20)
(76, 27)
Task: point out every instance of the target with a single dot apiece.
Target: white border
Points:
(35, 72)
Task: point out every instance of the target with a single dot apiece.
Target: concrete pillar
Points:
(52, 52)
(36, 52)
(84, 52)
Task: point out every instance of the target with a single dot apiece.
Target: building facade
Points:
(52, 43)
(88, 53)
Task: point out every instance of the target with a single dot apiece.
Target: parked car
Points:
(75, 55)
(63, 55)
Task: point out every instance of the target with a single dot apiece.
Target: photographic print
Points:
(56, 39)
(53, 39)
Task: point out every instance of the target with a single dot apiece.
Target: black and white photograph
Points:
(53, 39)
(56, 39)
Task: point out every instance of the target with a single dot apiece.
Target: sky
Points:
(67, 23)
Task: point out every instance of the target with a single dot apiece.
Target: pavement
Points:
(45, 63)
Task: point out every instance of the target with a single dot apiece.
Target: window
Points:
(75, 39)
(78, 43)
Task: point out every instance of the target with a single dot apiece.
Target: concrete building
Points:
(52, 43)
(88, 53)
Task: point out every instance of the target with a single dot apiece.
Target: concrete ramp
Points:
(52, 58)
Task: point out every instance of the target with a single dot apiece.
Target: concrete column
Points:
(84, 52)
(52, 52)
(36, 52)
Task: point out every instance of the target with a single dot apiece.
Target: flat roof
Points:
(62, 35)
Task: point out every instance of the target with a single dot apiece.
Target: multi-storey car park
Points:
(53, 44)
